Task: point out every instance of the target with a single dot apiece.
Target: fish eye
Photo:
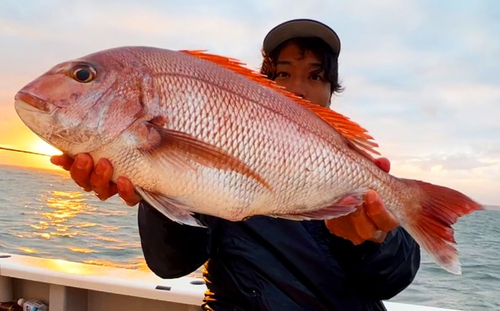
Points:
(83, 73)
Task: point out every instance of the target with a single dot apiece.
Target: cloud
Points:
(421, 76)
(459, 162)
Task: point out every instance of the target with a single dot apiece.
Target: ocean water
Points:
(44, 214)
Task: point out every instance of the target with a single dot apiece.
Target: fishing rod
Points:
(24, 151)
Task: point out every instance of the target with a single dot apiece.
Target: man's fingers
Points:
(100, 180)
(370, 222)
(62, 160)
(383, 164)
(365, 228)
(106, 192)
(344, 227)
(378, 213)
(84, 174)
(101, 175)
(81, 169)
(127, 192)
(356, 240)
(339, 227)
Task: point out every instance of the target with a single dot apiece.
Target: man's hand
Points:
(97, 179)
(370, 222)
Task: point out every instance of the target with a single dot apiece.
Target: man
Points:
(349, 263)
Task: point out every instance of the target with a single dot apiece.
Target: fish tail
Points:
(430, 225)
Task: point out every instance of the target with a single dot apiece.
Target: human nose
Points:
(297, 87)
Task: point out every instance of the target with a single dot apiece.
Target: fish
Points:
(198, 133)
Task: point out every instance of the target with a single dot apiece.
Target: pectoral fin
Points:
(183, 150)
(170, 207)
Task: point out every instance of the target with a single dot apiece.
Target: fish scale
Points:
(237, 144)
(200, 133)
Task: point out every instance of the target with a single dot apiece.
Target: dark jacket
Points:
(273, 264)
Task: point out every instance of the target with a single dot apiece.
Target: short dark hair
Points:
(329, 59)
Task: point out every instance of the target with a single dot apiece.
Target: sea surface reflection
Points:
(45, 214)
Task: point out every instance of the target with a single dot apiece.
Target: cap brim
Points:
(301, 28)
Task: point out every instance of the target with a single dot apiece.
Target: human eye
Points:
(316, 77)
(282, 74)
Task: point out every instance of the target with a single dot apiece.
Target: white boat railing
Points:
(70, 286)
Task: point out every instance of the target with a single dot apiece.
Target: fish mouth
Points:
(30, 102)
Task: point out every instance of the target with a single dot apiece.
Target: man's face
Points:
(299, 74)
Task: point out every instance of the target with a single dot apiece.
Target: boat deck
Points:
(70, 286)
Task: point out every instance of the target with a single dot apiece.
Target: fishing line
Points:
(24, 151)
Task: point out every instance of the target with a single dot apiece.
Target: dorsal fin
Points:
(357, 136)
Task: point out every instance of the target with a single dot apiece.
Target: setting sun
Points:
(42, 147)
(18, 137)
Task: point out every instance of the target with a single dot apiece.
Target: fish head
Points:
(84, 104)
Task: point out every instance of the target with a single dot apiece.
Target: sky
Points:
(422, 76)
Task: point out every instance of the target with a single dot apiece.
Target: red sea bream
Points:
(199, 133)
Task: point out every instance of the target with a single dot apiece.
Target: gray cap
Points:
(301, 28)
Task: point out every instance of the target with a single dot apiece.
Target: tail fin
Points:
(431, 225)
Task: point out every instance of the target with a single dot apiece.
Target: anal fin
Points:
(339, 208)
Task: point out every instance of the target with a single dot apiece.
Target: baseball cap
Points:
(301, 28)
